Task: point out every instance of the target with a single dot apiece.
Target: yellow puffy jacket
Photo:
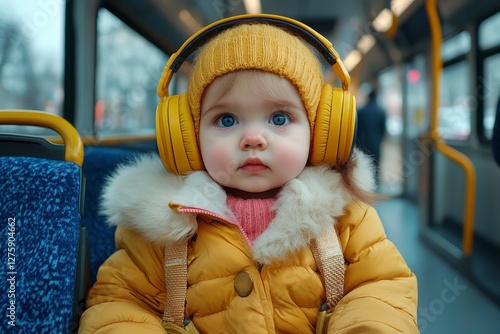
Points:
(380, 291)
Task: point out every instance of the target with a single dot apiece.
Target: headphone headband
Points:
(312, 37)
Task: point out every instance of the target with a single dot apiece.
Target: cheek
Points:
(293, 155)
(295, 150)
(216, 157)
(213, 154)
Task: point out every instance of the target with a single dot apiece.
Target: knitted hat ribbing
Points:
(262, 47)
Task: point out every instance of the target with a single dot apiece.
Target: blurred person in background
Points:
(371, 130)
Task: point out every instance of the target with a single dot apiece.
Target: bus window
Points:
(455, 99)
(456, 46)
(488, 39)
(491, 92)
(454, 109)
(488, 32)
(32, 55)
(390, 93)
(127, 72)
(417, 97)
(390, 98)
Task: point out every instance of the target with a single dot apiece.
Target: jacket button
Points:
(243, 284)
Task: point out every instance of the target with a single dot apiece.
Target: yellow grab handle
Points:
(73, 146)
(470, 190)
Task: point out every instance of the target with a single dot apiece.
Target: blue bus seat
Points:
(99, 163)
(45, 251)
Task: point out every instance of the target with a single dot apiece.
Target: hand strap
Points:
(330, 259)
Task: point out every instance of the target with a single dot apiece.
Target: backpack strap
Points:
(175, 267)
(330, 259)
(326, 250)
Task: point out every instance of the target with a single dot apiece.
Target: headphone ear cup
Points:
(327, 125)
(348, 128)
(176, 136)
(334, 128)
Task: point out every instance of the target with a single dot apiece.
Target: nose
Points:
(253, 139)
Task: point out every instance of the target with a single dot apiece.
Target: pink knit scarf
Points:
(253, 215)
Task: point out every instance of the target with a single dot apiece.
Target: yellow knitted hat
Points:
(262, 47)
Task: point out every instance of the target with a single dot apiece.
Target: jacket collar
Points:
(137, 196)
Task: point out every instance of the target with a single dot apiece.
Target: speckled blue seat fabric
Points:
(39, 209)
(98, 164)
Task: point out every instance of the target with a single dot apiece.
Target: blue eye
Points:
(280, 119)
(226, 121)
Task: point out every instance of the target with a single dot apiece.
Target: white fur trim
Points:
(363, 172)
(307, 206)
(137, 196)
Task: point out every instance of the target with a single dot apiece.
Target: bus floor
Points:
(447, 301)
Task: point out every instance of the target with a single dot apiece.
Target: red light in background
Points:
(413, 76)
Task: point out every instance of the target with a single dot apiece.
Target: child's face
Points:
(254, 131)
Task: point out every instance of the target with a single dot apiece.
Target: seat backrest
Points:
(41, 227)
(99, 163)
(40, 204)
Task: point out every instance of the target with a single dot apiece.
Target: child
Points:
(231, 237)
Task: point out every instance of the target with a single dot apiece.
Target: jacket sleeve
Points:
(380, 291)
(129, 294)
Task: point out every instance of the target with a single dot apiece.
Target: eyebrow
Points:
(218, 106)
(284, 103)
(280, 103)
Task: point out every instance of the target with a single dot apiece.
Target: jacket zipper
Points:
(187, 209)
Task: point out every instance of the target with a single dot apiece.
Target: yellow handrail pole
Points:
(456, 156)
(436, 65)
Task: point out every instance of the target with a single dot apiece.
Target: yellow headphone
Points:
(335, 125)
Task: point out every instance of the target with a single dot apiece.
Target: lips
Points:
(253, 165)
